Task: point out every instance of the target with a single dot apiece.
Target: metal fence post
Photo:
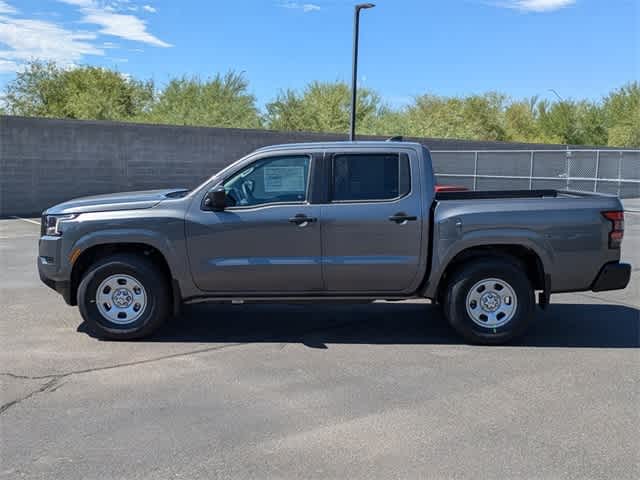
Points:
(531, 171)
(595, 185)
(568, 165)
(475, 170)
(620, 172)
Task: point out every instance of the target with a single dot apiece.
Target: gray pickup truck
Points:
(353, 221)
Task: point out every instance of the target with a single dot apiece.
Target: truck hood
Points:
(116, 201)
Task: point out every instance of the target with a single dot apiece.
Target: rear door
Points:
(372, 223)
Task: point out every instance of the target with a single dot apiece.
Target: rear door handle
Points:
(402, 218)
(301, 219)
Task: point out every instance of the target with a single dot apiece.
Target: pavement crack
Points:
(50, 386)
(59, 376)
(19, 377)
(54, 379)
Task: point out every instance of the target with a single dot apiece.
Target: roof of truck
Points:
(320, 145)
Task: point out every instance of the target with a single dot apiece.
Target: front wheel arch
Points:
(96, 253)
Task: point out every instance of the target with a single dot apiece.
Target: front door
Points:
(372, 225)
(267, 240)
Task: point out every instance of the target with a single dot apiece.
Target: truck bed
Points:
(565, 228)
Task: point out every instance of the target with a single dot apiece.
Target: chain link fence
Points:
(607, 171)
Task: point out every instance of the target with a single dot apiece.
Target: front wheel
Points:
(124, 297)
(489, 301)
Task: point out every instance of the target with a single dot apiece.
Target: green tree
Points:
(521, 123)
(223, 101)
(473, 117)
(591, 124)
(559, 120)
(324, 107)
(47, 90)
(622, 116)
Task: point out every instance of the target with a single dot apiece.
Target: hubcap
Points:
(491, 303)
(121, 299)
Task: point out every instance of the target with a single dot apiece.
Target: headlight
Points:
(51, 224)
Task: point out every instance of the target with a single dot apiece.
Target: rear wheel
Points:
(489, 301)
(124, 297)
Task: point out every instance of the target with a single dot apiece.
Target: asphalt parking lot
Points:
(371, 391)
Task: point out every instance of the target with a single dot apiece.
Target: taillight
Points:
(617, 227)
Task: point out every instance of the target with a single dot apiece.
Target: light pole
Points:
(553, 90)
(354, 79)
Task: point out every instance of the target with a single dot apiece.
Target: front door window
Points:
(270, 180)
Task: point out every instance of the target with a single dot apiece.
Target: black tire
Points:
(466, 277)
(153, 280)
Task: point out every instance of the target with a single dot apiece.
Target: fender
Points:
(446, 249)
(161, 242)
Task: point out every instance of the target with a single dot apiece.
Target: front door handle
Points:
(402, 217)
(301, 219)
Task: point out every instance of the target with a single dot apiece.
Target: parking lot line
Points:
(26, 220)
(15, 237)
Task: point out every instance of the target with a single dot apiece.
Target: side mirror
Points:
(216, 200)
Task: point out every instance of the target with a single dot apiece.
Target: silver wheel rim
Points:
(121, 299)
(491, 303)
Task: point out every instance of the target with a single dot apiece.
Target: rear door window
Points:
(374, 177)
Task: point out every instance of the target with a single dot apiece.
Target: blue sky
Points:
(581, 48)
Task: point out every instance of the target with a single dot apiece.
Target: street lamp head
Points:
(363, 6)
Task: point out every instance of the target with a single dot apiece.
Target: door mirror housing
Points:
(216, 200)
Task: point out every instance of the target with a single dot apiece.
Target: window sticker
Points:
(284, 179)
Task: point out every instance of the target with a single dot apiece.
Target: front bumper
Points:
(612, 276)
(63, 288)
(52, 271)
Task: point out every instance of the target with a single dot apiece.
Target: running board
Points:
(298, 299)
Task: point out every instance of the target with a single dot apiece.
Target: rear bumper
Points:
(612, 276)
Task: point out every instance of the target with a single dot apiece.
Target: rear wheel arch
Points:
(524, 257)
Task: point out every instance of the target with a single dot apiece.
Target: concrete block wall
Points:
(48, 161)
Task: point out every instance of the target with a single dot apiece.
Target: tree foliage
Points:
(477, 117)
(622, 116)
(322, 107)
(47, 90)
(223, 101)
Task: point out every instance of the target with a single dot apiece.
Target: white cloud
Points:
(305, 7)
(536, 5)
(6, 8)
(120, 25)
(24, 39)
(149, 8)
